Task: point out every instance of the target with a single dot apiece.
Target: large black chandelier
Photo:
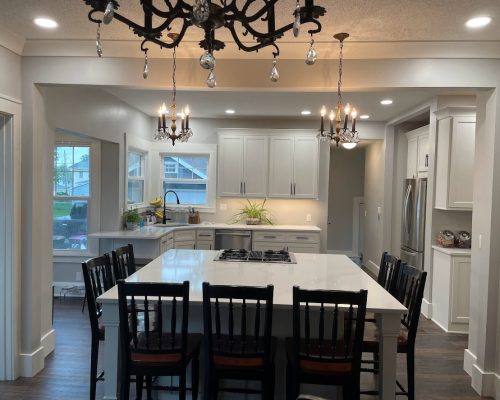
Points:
(210, 15)
(338, 130)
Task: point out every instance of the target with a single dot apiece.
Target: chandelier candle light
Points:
(163, 132)
(244, 20)
(339, 131)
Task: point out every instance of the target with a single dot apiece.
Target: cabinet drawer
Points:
(303, 248)
(184, 235)
(184, 245)
(168, 238)
(205, 234)
(263, 246)
(302, 237)
(205, 245)
(269, 236)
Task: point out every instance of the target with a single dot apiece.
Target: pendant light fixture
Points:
(339, 130)
(163, 132)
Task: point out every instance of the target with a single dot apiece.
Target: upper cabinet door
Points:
(423, 153)
(305, 167)
(281, 166)
(411, 166)
(255, 166)
(462, 162)
(230, 163)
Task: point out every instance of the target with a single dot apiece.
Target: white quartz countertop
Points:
(312, 271)
(156, 232)
(452, 251)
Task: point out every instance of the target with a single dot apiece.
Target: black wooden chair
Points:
(332, 355)
(98, 278)
(123, 262)
(245, 352)
(388, 274)
(409, 290)
(162, 348)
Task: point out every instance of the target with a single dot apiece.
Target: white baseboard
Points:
(426, 309)
(32, 364)
(348, 253)
(48, 342)
(372, 267)
(486, 384)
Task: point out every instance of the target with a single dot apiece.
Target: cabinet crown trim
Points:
(266, 132)
(423, 130)
(455, 112)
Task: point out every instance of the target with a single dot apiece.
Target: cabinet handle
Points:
(204, 235)
(241, 187)
(244, 187)
(291, 189)
(427, 160)
(269, 237)
(294, 192)
(302, 237)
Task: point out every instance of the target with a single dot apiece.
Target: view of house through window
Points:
(187, 176)
(135, 186)
(71, 191)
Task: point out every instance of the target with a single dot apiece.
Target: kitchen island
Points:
(312, 271)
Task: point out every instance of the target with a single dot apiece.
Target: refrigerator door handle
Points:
(405, 210)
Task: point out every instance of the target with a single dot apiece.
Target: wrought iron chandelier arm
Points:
(181, 9)
(173, 44)
(256, 47)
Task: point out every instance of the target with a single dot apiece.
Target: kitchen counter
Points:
(452, 251)
(156, 232)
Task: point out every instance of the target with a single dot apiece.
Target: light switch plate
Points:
(379, 212)
(308, 218)
(480, 240)
(223, 206)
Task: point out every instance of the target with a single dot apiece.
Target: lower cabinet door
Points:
(205, 245)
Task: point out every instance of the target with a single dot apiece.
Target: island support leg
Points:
(389, 327)
(111, 323)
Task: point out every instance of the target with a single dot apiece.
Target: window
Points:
(136, 179)
(71, 190)
(187, 175)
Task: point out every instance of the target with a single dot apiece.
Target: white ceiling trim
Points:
(12, 41)
(289, 50)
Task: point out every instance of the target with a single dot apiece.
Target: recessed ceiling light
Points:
(45, 23)
(229, 111)
(364, 116)
(386, 102)
(478, 22)
(305, 112)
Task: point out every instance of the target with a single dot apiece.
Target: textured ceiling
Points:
(365, 20)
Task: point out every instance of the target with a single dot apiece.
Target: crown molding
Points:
(12, 41)
(288, 50)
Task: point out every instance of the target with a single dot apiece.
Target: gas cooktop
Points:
(268, 256)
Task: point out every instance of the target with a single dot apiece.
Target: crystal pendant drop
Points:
(98, 41)
(311, 56)
(275, 75)
(201, 11)
(207, 60)
(296, 22)
(109, 13)
(211, 81)
(145, 72)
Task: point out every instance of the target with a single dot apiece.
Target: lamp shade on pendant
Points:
(349, 145)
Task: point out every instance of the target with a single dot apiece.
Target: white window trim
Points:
(93, 207)
(144, 155)
(195, 149)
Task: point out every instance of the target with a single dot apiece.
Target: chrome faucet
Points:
(164, 220)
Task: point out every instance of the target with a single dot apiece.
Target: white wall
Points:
(347, 180)
(10, 76)
(374, 198)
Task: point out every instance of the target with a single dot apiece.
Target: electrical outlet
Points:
(308, 218)
(78, 276)
(223, 206)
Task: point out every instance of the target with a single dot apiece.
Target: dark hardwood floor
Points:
(438, 363)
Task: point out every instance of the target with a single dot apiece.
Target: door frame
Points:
(356, 223)
(10, 238)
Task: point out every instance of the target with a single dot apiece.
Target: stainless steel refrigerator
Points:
(413, 222)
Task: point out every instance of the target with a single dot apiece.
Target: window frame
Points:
(93, 200)
(143, 154)
(194, 149)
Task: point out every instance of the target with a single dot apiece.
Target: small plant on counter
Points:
(253, 213)
(132, 219)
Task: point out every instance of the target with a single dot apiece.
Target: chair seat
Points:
(170, 353)
(240, 352)
(324, 365)
(372, 336)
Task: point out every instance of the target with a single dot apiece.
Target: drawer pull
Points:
(302, 237)
(204, 235)
(269, 237)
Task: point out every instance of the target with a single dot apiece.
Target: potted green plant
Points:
(132, 219)
(253, 213)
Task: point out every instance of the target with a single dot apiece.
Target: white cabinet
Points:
(295, 241)
(167, 242)
(205, 239)
(185, 239)
(455, 159)
(243, 165)
(418, 153)
(450, 290)
(293, 169)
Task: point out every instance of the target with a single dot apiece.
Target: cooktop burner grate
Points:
(268, 256)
